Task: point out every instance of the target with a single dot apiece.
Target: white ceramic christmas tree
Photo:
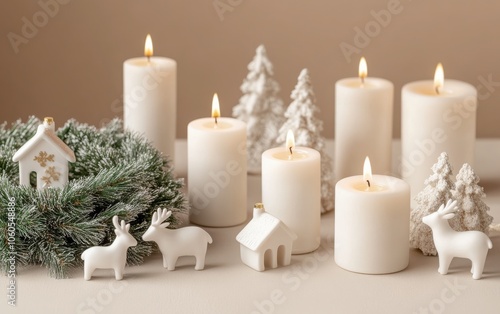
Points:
(473, 213)
(260, 108)
(437, 191)
(113, 256)
(307, 130)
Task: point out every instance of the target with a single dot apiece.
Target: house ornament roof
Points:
(45, 132)
(259, 229)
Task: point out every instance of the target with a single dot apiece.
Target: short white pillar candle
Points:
(217, 170)
(372, 222)
(291, 191)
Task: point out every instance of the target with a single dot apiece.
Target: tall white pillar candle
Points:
(372, 224)
(363, 123)
(436, 117)
(217, 170)
(149, 98)
(291, 191)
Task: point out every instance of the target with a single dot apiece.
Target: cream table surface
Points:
(312, 284)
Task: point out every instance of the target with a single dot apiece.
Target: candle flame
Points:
(439, 78)
(290, 141)
(148, 47)
(215, 107)
(363, 69)
(367, 171)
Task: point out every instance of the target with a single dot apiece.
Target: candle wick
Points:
(368, 181)
(362, 81)
(437, 90)
(148, 58)
(290, 148)
(215, 121)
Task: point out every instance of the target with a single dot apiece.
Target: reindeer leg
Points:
(478, 266)
(165, 263)
(444, 263)
(200, 259)
(88, 271)
(118, 273)
(200, 263)
(172, 260)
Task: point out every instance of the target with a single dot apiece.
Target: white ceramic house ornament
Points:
(266, 241)
(187, 241)
(110, 257)
(46, 155)
(449, 243)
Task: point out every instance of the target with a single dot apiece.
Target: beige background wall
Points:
(71, 66)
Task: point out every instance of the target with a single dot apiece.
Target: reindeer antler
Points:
(160, 216)
(115, 222)
(120, 226)
(450, 208)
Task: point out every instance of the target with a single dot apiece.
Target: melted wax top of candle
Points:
(285, 155)
(356, 83)
(363, 186)
(220, 125)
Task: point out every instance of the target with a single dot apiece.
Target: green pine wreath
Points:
(115, 173)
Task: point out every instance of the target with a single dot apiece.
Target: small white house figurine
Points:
(187, 241)
(113, 256)
(46, 155)
(449, 243)
(265, 241)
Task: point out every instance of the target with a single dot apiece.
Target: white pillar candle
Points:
(363, 123)
(372, 224)
(436, 117)
(217, 170)
(291, 191)
(149, 98)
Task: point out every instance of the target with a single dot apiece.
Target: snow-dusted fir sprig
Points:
(116, 173)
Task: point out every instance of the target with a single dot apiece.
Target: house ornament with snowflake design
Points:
(47, 156)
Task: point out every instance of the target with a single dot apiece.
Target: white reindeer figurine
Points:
(185, 241)
(113, 256)
(449, 243)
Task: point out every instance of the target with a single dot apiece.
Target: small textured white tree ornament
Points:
(473, 213)
(307, 130)
(260, 108)
(187, 241)
(437, 191)
(473, 245)
(113, 256)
